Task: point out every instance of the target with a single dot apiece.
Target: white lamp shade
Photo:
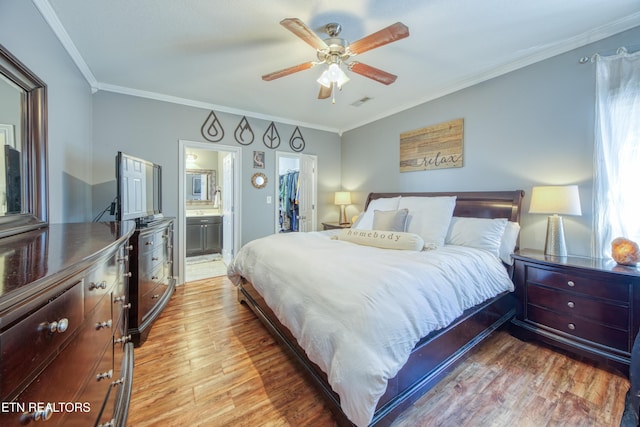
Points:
(342, 198)
(562, 200)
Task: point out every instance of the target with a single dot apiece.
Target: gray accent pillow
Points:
(390, 220)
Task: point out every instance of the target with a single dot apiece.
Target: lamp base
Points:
(555, 244)
(343, 215)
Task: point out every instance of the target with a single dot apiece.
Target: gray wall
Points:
(533, 126)
(27, 36)
(152, 129)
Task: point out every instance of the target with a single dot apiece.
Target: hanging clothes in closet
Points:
(289, 201)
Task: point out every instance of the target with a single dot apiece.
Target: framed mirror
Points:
(259, 180)
(200, 186)
(23, 137)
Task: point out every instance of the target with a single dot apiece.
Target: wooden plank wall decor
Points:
(432, 147)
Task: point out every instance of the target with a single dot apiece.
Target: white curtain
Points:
(616, 194)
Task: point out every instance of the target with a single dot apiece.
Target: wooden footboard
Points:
(432, 359)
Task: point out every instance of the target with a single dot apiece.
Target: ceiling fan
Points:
(334, 51)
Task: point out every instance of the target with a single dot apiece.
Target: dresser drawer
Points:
(573, 304)
(150, 241)
(152, 258)
(99, 281)
(149, 300)
(579, 327)
(27, 345)
(614, 288)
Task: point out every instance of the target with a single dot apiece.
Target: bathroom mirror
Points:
(259, 180)
(23, 137)
(201, 186)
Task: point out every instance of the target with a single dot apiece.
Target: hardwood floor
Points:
(209, 362)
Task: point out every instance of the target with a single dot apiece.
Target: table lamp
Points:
(555, 200)
(343, 198)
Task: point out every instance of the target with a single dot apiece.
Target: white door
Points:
(307, 196)
(228, 208)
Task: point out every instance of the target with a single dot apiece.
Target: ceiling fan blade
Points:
(372, 73)
(301, 30)
(325, 92)
(387, 35)
(287, 71)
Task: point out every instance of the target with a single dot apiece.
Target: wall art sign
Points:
(271, 137)
(433, 147)
(296, 142)
(212, 129)
(244, 134)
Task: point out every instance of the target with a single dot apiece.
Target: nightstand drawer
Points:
(581, 328)
(613, 288)
(571, 304)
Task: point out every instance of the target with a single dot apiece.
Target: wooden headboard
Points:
(479, 204)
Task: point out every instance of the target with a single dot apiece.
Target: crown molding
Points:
(50, 16)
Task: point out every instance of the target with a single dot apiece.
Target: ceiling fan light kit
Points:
(334, 51)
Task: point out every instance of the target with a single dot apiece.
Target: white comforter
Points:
(358, 311)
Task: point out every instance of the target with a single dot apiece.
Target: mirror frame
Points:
(254, 180)
(35, 209)
(210, 184)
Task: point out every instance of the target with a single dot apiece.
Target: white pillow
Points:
(429, 217)
(509, 241)
(365, 221)
(479, 233)
(382, 239)
(390, 220)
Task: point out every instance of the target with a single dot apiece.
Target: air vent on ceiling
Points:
(361, 101)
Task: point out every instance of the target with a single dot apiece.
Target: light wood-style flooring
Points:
(209, 362)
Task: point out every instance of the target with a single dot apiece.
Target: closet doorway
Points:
(296, 192)
(208, 225)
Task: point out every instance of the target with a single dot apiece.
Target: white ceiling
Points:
(212, 53)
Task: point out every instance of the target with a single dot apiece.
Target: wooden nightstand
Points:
(334, 225)
(590, 307)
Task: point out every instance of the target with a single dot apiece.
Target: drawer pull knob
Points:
(43, 415)
(154, 277)
(571, 283)
(101, 285)
(149, 243)
(155, 258)
(120, 299)
(127, 274)
(106, 324)
(124, 258)
(122, 340)
(127, 305)
(60, 326)
(570, 304)
(108, 424)
(130, 247)
(571, 326)
(104, 375)
(118, 382)
(156, 296)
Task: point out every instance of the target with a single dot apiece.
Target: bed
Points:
(438, 342)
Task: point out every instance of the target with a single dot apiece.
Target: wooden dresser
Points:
(152, 282)
(65, 356)
(590, 307)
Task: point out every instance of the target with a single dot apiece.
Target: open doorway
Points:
(208, 190)
(296, 192)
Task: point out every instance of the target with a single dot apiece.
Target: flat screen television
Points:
(139, 190)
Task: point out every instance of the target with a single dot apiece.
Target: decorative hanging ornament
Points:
(244, 134)
(296, 142)
(212, 128)
(271, 137)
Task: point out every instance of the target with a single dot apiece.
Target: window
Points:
(617, 151)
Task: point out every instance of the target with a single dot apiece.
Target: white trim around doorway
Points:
(181, 226)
